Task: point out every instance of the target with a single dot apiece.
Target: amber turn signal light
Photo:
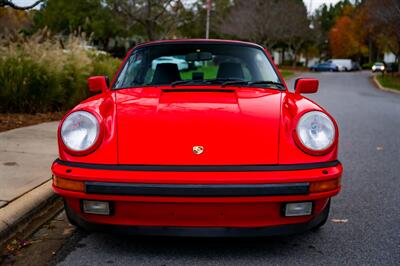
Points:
(326, 185)
(68, 184)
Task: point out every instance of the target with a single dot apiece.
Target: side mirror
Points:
(306, 85)
(98, 83)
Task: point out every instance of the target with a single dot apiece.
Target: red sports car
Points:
(218, 148)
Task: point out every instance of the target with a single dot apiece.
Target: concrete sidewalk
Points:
(26, 155)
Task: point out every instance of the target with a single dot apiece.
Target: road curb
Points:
(17, 215)
(379, 86)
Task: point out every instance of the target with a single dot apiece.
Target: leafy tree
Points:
(156, 19)
(255, 20)
(296, 30)
(90, 16)
(384, 20)
(13, 21)
(266, 22)
(348, 37)
(324, 19)
(193, 22)
(342, 41)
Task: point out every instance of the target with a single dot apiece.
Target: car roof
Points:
(190, 41)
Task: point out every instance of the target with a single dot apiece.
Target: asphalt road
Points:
(369, 121)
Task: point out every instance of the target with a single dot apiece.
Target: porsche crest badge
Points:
(198, 149)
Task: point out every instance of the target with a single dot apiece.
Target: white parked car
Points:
(343, 64)
(378, 67)
(182, 64)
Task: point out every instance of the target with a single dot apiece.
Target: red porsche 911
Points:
(219, 147)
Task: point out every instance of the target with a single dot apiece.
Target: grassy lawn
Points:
(389, 81)
(210, 72)
(286, 73)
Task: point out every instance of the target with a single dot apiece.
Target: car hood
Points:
(161, 126)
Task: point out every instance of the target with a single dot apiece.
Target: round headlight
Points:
(316, 131)
(80, 131)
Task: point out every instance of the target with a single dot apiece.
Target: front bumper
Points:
(286, 229)
(203, 202)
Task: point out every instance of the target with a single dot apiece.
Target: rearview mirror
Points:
(98, 83)
(200, 56)
(306, 85)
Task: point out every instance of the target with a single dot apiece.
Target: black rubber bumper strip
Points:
(200, 168)
(196, 190)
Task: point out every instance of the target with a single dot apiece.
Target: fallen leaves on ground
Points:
(11, 121)
(17, 244)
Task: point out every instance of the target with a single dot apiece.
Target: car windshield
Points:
(197, 64)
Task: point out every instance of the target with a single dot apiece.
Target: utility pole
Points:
(208, 19)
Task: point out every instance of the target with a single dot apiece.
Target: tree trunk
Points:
(398, 64)
(294, 58)
(105, 42)
(369, 50)
(150, 31)
(398, 58)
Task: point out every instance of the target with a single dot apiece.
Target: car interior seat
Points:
(229, 70)
(166, 73)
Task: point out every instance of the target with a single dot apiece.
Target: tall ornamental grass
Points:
(39, 75)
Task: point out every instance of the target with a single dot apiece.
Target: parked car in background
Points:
(355, 66)
(323, 67)
(181, 63)
(343, 64)
(378, 67)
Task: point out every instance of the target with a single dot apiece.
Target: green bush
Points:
(37, 76)
(105, 66)
(367, 65)
(27, 86)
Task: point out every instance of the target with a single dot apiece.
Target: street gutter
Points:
(379, 86)
(23, 216)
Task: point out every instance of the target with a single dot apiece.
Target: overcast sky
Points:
(314, 4)
(310, 4)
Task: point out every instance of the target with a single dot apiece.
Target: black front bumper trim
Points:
(200, 168)
(196, 190)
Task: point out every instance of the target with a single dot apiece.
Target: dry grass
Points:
(38, 74)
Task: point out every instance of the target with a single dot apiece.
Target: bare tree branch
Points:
(157, 17)
(268, 22)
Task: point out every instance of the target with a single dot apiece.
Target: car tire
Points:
(70, 219)
(67, 213)
(325, 219)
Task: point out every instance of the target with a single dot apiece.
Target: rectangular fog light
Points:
(298, 208)
(96, 207)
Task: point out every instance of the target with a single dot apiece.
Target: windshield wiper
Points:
(229, 82)
(223, 81)
(234, 82)
(252, 83)
(267, 82)
(188, 81)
